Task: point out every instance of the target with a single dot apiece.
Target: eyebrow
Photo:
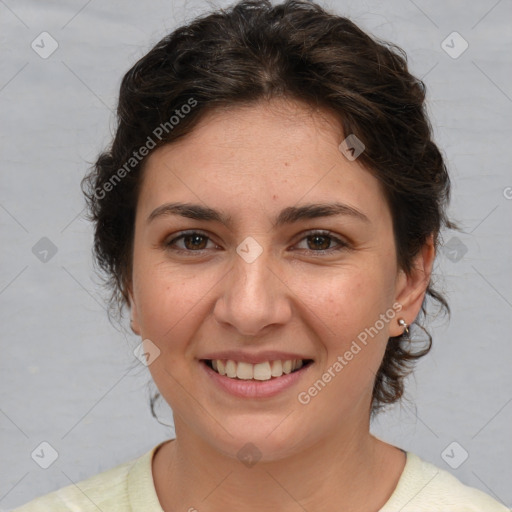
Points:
(288, 215)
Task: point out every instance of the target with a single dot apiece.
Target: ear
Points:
(411, 288)
(134, 322)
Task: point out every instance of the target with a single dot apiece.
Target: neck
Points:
(350, 471)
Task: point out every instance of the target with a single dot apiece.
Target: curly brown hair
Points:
(255, 51)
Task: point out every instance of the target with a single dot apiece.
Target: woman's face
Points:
(253, 280)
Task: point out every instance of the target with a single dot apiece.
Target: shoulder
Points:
(111, 490)
(424, 485)
(105, 489)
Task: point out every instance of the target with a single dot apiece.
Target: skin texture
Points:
(250, 163)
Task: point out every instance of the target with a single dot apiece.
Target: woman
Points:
(269, 211)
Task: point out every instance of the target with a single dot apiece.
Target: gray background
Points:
(67, 375)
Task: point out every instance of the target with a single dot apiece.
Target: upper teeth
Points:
(260, 371)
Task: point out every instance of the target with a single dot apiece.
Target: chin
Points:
(260, 439)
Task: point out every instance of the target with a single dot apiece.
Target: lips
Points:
(257, 386)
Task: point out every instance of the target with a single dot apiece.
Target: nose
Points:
(253, 296)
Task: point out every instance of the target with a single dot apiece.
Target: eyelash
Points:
(341, 244)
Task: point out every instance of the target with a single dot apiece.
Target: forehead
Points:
(282, 127)
(257, 155)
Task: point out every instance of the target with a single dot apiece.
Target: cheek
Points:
(347, 322)
(347, 308)
(173, 301)
(346, 300)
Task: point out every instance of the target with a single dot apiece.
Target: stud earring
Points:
(404, 324)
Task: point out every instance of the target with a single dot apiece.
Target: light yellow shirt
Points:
(129, 487)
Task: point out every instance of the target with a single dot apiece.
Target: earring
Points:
(404, 324)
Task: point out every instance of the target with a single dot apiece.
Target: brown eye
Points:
(321, 242)
(190, 242)
(194, 241)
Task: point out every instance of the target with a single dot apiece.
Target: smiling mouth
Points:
(265, 371)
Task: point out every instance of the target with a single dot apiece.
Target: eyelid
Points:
(342, 243)
(182, 234)
(340, 240)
